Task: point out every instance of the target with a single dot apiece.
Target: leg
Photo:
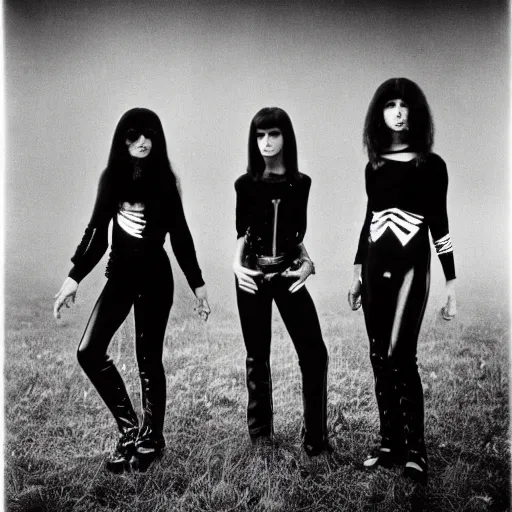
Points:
(255, 318)
(301, 320)
(413, 299)
(380, 297)
(151, 307)
(111, 309)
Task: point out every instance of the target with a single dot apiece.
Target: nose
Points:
(399, 113)
(141, 139)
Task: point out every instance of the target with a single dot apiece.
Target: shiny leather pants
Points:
(150, 291)
(301, 320)
(394, 301)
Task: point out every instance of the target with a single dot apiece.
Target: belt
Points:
(272, 264)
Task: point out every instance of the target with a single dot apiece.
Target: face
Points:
(139, 142)
(396, 115)
(270, 141)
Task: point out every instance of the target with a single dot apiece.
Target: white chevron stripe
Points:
(443, 245)
(403, 224)
(131, 220)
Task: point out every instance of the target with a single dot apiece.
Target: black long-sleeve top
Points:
(406, 199)
(255, 212)
(157, 223)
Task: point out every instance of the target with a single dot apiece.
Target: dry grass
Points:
(58, 431)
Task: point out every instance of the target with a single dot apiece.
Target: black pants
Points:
(394, 297)
(148, 286)
(301, 320)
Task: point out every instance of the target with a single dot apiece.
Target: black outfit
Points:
(262, 206)
(139, 274)
(405, 201)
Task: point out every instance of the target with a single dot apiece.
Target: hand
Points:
(449, 310)
(301, 273)
(65, 296)
(354, 295)
(245, 277)
(202, 308)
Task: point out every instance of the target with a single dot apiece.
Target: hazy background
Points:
(73, 68)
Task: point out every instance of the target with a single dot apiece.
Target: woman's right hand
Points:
(354, 295)
(245, 277)
(65, 296)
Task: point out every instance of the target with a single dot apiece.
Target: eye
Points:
(132, 135)
(390, 104)
(149, 133)
(260, 135)
(275, 133)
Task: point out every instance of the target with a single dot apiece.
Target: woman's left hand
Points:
(202, 308)
(449, 310)
(301, 274)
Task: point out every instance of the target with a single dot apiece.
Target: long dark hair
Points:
(377, 136)
(273, 117)
(156, 171)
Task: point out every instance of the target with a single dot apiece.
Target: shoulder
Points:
(436, 166)
(304, 178)
(436, 171)
(303, 181)
(243, 182)
(106, 181)
(434, 160)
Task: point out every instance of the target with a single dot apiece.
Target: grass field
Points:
(57, 431)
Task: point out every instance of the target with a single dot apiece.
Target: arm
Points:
(244, 276)
(362, 247)
(354, 293)
(439, 229)
(183, 247)
(182, 243)
(95, 240)
(90, 250)
(301, 269)
(302, 210)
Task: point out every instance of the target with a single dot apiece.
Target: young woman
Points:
(271, 264)
(138, 191)
(406, 186)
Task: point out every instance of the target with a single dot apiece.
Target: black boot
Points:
(392, 446)
(259, 405)
(314, 399)
(112, 390)
(150, 443)
(412, 409)
(147, 450)
(322, 447)
(119, 460)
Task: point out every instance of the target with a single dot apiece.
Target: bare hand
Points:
(65, 296)
(245, 277)
(202, 308)
(449, 310)
(354, 295)
(301, 274)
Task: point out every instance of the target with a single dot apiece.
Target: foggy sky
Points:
(73, 68)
